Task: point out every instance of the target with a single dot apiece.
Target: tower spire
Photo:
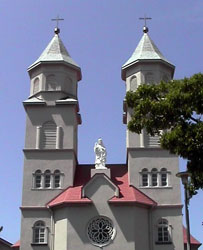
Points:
(57, 19)
(145, 18)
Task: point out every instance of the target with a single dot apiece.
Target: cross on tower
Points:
(57, 19)
(145, 19)
(145, 29)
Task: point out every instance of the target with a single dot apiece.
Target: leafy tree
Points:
(176, 107)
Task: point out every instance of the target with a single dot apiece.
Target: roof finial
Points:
(57, 19)
(145, 28)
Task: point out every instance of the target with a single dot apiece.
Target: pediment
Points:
(100, 184)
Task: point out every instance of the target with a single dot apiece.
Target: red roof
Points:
(5, 242)
(119, 176)
(193, 241)
(16, 245)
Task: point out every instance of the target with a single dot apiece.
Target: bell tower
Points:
(51, 125)
(151, 168)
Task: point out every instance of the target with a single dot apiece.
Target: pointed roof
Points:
(56, 52)
(145, 51)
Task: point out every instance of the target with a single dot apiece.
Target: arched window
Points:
(36, 85)
(145, 181)
(69, 86)
(57, 179)
(163, 175)
(149, 78)
(133, 83)
(51, 83)
(39, 233)
(38, 179)
(163, 231)
(49, 135)
(165, 78)
(154, 176)
(47, 179)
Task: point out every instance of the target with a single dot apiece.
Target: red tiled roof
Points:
(119, 177)
(5, 242)
(16, 245)
(193, 241)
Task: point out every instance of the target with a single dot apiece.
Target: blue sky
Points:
(100, 35)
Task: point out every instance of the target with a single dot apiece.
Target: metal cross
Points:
(57, 19)
(145, 18)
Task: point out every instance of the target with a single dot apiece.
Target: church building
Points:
(72, 206)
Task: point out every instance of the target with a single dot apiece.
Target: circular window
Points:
(100, 231)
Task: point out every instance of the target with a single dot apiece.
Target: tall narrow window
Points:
(47, 179)
(39, 233)
(36, 85)
(163, 175)
(149, 78)
(49, 135)
(57, 179)
(154, 177)
(165, 78)
(38, 179)
(133, 83)
(163, 231)
(69, 86)
(145, 181)
(51, 83)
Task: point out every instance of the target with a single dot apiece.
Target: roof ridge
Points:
(55, 197)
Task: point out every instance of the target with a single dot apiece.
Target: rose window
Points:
(100, 231)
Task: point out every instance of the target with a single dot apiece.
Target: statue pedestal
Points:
(105, 171)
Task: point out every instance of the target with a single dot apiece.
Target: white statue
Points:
(100, 151)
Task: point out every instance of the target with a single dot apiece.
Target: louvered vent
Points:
(154, 141)
(49, 135)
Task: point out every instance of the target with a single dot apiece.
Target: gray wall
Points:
(150, 158)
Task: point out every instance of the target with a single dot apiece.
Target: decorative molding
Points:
(33, 208)
(169, 206)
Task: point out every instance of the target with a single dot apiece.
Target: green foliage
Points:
(176, 107)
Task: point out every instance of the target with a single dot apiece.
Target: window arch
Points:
(164, 177)
(145, 179)
(49, 135)
(47, 179)
(154, 176)
(163, 235)
(133, 83)
(39, 233)
(36, 85)
(38, 179)
(57, 179)
(51, 83)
